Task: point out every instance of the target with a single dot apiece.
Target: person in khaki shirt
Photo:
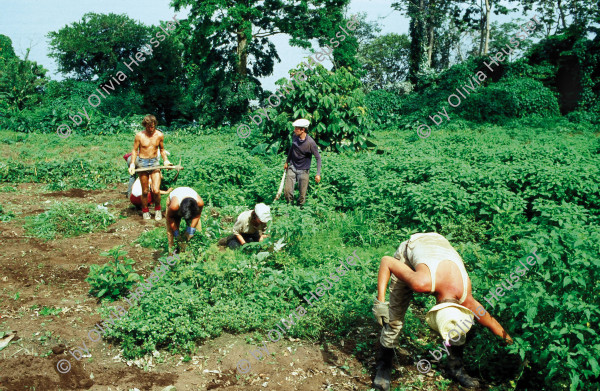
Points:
(250, 226)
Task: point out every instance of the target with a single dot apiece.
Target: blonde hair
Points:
(149, 120)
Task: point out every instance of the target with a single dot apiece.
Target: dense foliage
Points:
(513, 98)
(332, 101)
(497, 193)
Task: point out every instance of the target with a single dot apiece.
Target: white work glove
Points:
(166, 162)
(381, 311)
(131, 169)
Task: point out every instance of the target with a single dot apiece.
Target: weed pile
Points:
(67, 219)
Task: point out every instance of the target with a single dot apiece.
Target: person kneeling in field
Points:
(184, 203)
(148, 142)
(136, 193)
(250, 226)
(427, 263)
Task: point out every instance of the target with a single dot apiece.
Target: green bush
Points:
(384, 106)
(332, 101)
(514, 98)
(68, 219)
(114, 278)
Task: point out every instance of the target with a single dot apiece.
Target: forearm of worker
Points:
(289, 156)
(486, 320)
(382, 280)
(134, 152)
(404, 273)
(315, 152)
(195, 223)
(240, 239)
(170, 225)
(161, 145)
(388, 266)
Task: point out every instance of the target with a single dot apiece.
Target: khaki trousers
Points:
(400, 298)
(293, 176)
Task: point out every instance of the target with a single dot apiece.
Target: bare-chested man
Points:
(148, 143)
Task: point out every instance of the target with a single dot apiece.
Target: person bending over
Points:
(136, 193)
(148, 142)
(427, 263)
(183, 203)
(250, 226)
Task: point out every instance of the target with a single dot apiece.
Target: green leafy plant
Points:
(332, 101)
(69, 219)
(115, 277)
(156, 239)
(5, 216)
(45, 311)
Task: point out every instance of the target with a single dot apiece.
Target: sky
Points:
(27, 22)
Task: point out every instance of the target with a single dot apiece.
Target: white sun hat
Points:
(450, 320)
(301, 123)
(263, 212)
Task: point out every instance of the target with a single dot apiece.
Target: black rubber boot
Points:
(455, 369)
(385, 357)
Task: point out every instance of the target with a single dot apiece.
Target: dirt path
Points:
(37, 277)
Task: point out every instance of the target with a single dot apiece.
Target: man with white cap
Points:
(250, 226)
(300, 156)
(427, 263)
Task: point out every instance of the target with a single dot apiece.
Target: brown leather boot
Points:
(385, 358)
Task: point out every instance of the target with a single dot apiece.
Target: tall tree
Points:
(416, 10)
(580, 15)
(6, 49)
(228, 43)
(385, 60)
(426, 30)
(21, 81)
(94, 46)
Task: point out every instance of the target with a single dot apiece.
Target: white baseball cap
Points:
(301, 123)
(263, 212)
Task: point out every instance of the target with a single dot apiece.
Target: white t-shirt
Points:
(183, 192)
(136, 190)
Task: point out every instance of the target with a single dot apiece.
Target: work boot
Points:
(158, 215)
(385, 357)
(146, 215)
(455, 369)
